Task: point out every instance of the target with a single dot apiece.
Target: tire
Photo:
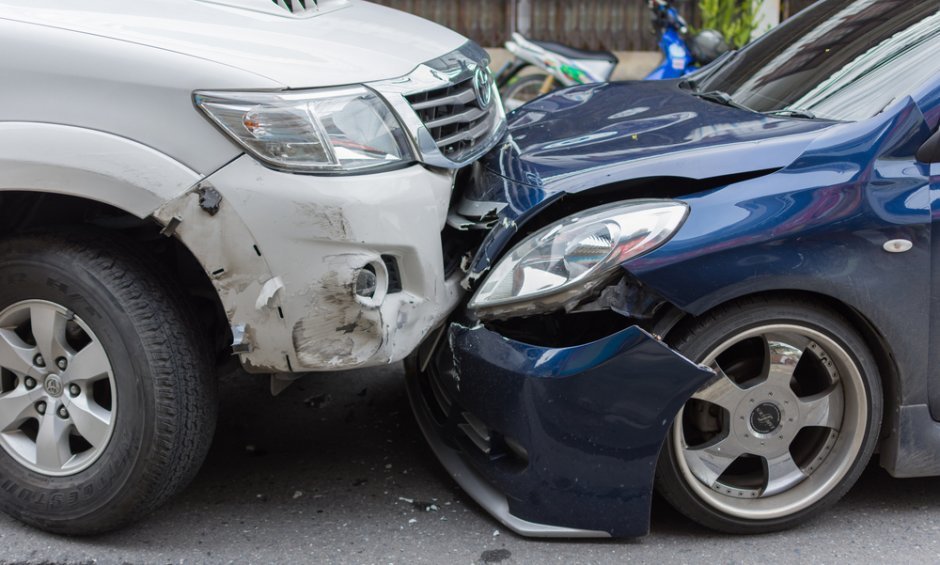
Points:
(522, 90)
(128, 421)
(775, 439)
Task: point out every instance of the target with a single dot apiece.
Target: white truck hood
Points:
(334, 42)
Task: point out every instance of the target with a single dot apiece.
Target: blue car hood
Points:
(595, 135)
(616, 136)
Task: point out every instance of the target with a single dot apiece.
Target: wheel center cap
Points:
(765, 418)
(53, 386)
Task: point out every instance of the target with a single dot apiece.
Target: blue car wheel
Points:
(785, 429)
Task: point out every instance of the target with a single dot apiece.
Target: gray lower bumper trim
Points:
(482, 492)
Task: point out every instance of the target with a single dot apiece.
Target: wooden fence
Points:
(620, 25)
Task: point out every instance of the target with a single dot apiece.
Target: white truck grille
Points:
(460, 117)
(451, 107)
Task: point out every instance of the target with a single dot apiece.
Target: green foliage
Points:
(735, 19)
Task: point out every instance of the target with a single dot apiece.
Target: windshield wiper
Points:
(720, 97)
(792, 113)
(690, 84)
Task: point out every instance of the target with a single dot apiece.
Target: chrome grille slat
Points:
(470, 115)
(444, 103)
(473, 134)
(460, 98)
(458, 116)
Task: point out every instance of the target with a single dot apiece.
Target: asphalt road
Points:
(335, 471)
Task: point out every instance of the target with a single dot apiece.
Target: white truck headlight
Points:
(565, 261)
(327, 131)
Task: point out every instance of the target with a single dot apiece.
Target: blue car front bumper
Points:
(553, 442)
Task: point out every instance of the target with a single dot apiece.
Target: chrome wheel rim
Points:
(58, 401)
(778, 428)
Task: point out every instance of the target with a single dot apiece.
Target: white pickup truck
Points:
(184, 180)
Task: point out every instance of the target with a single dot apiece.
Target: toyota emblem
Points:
(483, 86)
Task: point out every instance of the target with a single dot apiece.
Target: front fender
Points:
(89, 164)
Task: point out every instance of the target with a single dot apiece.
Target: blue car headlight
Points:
(559, 265)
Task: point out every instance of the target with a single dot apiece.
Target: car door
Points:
(928, 158)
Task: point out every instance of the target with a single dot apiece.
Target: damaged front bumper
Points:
(553, 442)
(285, 253)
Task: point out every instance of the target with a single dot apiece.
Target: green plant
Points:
(735, 19)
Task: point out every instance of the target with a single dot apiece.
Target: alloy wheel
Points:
(778, 428)
(58, 400)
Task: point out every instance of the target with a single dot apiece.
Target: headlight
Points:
(559, 265)
(331, 131)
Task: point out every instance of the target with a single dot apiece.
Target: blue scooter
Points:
(564, 66)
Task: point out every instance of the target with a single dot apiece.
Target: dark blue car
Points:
(722, 287)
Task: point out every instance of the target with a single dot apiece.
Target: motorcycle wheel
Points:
(522, 90)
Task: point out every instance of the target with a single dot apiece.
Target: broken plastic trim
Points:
(592, 416)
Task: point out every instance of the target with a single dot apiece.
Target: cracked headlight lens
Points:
(327, 131)
(564, 262)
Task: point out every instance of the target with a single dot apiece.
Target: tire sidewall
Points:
(60, 279)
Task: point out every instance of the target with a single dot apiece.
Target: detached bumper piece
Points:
(553, 442)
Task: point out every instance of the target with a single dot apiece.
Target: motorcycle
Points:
(565, 66)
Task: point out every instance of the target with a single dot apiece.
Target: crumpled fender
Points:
(592, 419)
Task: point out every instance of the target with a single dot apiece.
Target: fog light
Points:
(366, 282)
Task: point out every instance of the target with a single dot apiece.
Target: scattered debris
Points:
(425, 506)
(495, 533)
(420, 505)
(318, 400)
(495, 555)
(413, 521)
(298, 494)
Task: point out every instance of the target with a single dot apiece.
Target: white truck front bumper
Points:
(284, 252)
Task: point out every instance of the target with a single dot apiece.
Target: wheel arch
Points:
(89, 164)
(673, 320)
(31, 211)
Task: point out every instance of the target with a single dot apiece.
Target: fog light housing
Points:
(367, 282)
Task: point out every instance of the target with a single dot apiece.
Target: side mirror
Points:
(929, 152)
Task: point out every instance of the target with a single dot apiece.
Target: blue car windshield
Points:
(839, 59)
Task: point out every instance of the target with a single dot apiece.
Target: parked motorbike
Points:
(564, 66)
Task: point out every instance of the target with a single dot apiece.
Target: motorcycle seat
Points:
(572, 53)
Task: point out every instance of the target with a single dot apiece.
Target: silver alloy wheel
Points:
(58, 401)
(769, 444)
